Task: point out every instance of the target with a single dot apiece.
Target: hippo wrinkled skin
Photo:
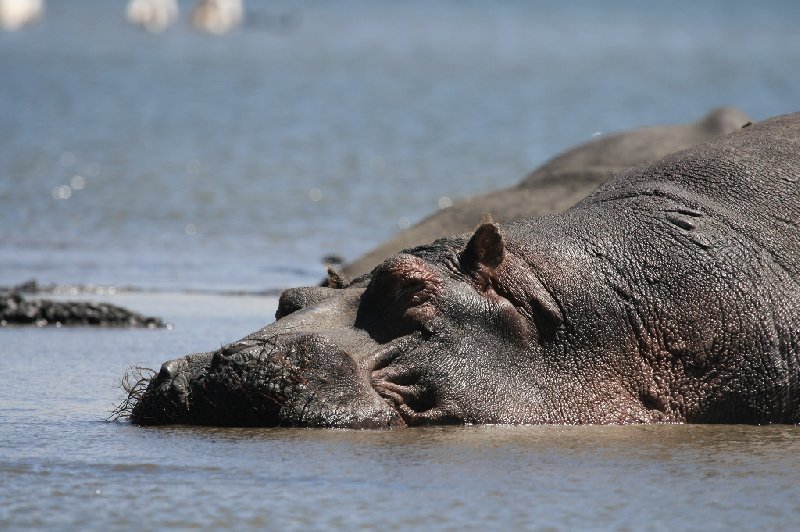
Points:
(670, 294)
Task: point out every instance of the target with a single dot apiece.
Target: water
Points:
(184, 161)
(199, 157)
(62, 466)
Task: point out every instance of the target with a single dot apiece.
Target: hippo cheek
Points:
(336, 391)
(399, 376)
(415, 402)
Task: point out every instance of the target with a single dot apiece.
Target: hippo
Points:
(668, 295)
(556, 185)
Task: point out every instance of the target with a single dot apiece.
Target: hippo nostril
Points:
(169, 370)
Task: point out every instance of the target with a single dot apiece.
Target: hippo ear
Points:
(514, 281)
(485, 250)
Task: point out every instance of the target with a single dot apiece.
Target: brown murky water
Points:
(62, 466)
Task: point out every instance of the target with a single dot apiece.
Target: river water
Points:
(186, 166)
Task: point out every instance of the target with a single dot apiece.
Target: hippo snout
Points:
(166, 399)
(283, 380)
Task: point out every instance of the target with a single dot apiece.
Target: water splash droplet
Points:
(78, 182)
(62, 192)
(315, 195)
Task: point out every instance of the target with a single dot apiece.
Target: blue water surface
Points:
(319, 128)
(187, 161)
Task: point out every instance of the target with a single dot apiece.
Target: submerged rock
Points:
(15, 309)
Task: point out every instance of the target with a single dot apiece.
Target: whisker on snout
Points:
(133, 384)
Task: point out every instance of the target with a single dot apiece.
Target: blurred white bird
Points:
(153, 15)
(16, 13)
(217, 16)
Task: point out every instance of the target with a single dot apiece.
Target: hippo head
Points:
(466, 330)
(306, 369)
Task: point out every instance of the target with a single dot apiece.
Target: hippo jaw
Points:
(310, 368)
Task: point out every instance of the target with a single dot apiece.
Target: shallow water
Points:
(182, 161)
(63, 466)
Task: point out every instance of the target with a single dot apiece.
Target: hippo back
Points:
(749, 181)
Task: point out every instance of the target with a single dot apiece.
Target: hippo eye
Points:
(412, 292)
(399, 297)
(404, 280)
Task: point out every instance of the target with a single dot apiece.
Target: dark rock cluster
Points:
(15, 309)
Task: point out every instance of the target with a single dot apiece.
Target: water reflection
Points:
(714, 449)
(634, 476)
(78, 182)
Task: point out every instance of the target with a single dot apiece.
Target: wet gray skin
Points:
(668, 295)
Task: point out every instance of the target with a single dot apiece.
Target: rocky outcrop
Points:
(16, 309)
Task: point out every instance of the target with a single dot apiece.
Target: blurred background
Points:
(171, 158)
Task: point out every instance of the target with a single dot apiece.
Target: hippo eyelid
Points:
(410, 289)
